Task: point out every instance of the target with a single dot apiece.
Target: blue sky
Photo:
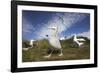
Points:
(35, 24)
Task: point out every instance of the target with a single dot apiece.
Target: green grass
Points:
(70, 51)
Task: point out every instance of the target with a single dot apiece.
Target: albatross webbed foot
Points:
(47, 56)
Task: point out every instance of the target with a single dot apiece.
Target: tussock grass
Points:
(71, 51)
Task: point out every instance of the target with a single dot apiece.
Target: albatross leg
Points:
(49, 54)
(61, 53)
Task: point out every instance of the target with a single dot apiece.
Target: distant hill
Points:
(65, 43)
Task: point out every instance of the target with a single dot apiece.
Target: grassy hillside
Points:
(41, 48)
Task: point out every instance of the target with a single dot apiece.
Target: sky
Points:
(35, 24)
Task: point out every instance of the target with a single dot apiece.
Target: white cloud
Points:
(83, 34)
(67, 20)
(27, 27)
(63, 20)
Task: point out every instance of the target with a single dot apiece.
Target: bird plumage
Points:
(54, 40)
(31, 43)
(79, 41)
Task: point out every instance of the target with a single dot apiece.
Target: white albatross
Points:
(31, 45)
(78, 39)
(54, 41)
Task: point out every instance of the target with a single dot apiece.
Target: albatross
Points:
(54, 41)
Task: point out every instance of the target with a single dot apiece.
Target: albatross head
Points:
(53, 31)
(53, 28)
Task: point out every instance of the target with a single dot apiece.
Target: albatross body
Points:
(54, 40)
(77, 40)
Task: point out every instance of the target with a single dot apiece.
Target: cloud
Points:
(28, 30)
(61, 20)
(27, 26)
(83, 34)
